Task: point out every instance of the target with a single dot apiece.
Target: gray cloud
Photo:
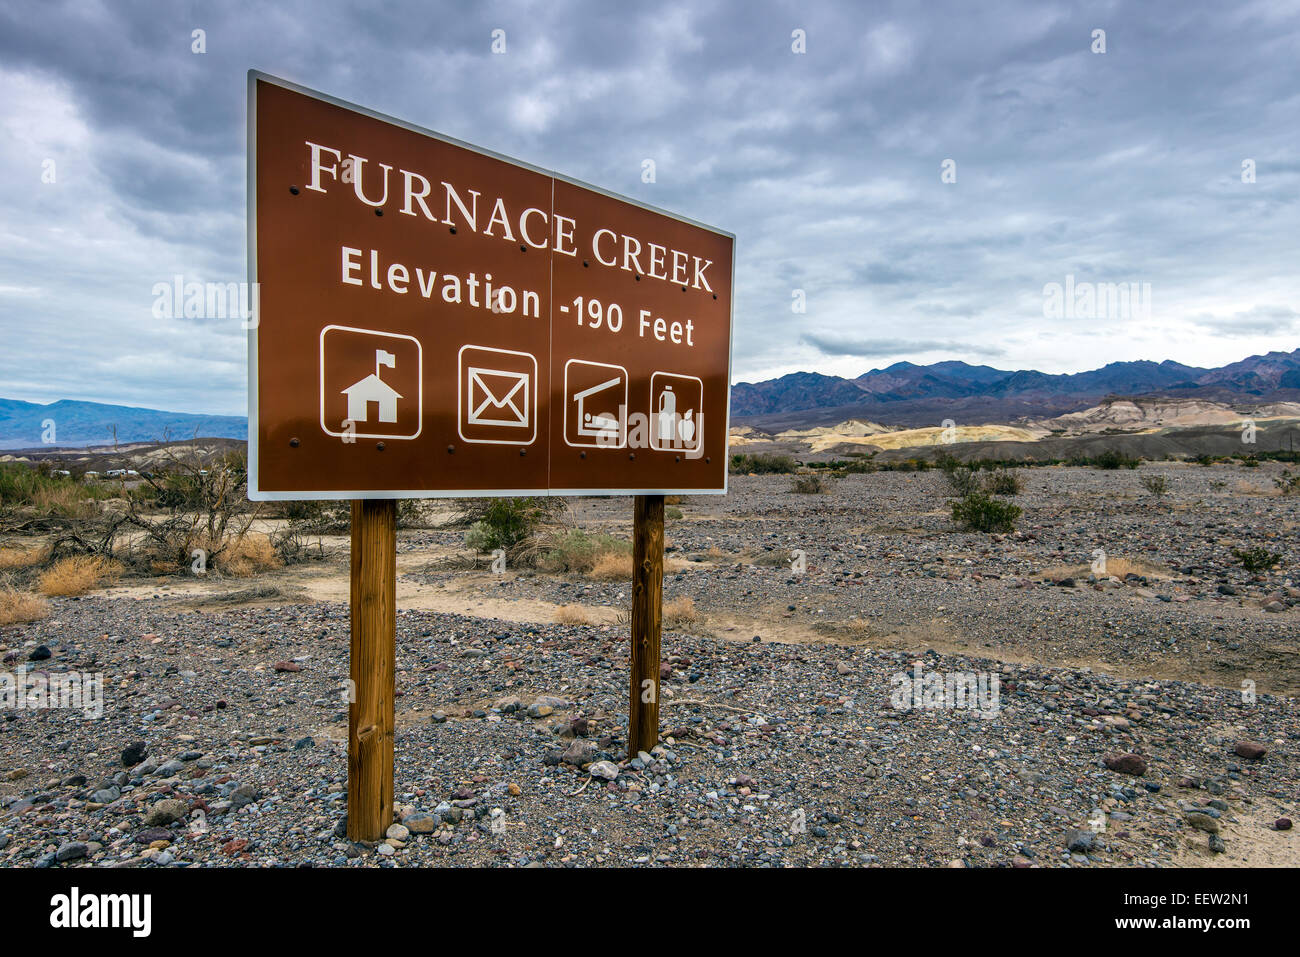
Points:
(837, 344)
(1260, 320)
(1119, 167)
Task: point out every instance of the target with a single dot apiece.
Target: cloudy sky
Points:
(828, 165)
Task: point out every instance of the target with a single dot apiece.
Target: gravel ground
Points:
(1120, 733)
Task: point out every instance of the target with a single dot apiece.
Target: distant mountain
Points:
(69, 423)
(906, 393)
(901, 394)
(799, 390)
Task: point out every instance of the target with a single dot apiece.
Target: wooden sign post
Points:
(647, 622)
(373, 662)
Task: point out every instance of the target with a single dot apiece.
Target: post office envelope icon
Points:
(497, 404)
(498, 397)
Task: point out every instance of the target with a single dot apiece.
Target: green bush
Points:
(1157, 485)
(577, 551)
(981, 512)
(1256, 559)
(508, 523)
(1003, 482)
(745, 464)
(860, 465)
(672, 513)
(962, 480)
(1111, 459)
(21, 485)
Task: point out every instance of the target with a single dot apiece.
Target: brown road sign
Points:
(434, 320)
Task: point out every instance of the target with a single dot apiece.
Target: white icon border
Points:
(699, 427)
(460, 396)
(419, 397)
(622, 425)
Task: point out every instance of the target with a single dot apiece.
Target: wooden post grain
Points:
(373, 661)
(647, 621)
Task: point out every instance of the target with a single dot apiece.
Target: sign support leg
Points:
(373, 662)
(647, 621)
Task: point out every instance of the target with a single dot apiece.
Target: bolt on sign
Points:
(437, 320)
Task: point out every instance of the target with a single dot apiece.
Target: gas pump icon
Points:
(675, 405)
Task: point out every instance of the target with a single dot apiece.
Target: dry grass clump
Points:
(680, 613)
(768, 558)
(572, 615)
(77, 575)
(11, 558)
(17, 607)
(68, 500)
(612, 566)
(247, 555)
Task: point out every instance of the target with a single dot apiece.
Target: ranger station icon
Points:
(373, 389)
(371, 384)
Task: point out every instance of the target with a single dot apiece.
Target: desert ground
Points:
(1145, 712)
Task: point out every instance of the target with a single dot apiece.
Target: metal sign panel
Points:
(436, 320)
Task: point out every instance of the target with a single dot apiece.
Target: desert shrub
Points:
(962, 481)
(304, 511)
(671, 513)
(508, 523)
(1003, 482)
(1157, 485)
(612, 566)
(1276, 455)
(297, 542)
(768, 557)
(1287, 483)
(981, 512)
(907, 465)
(679, 613)
(578, 551)
(810, 485)
(1256, 559)
(1112, 459)
(410, 513)
(859, 466)
(762, 464)
(572, 615)
(319, 518)
(17, 607)
(206, 503)
(336, 516)
(21, 486)
(248, 555)
(76, 575)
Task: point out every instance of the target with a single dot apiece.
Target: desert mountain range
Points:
(909, 394)
(899, 406)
